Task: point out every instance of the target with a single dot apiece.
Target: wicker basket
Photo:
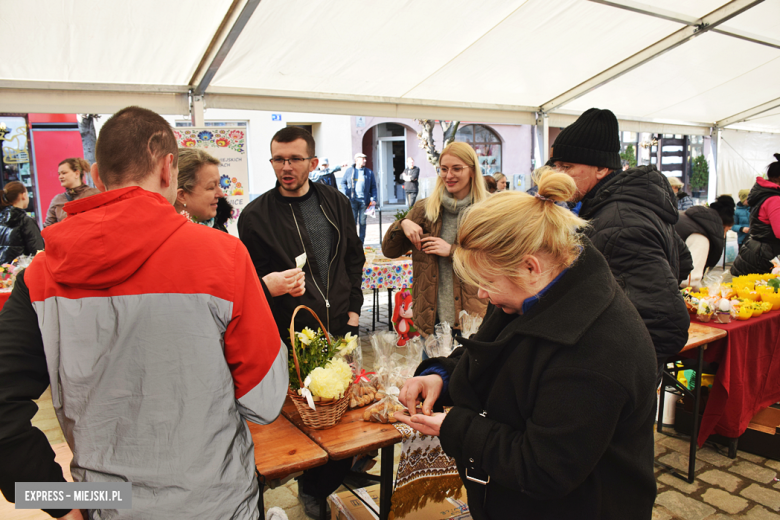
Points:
(329, 411)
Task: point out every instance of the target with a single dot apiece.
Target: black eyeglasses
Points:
(279, 162)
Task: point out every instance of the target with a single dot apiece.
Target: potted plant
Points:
(700, 175)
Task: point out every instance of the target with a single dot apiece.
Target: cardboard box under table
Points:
(347, 506)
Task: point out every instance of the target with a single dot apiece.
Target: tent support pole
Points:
(197, 111)
(543, 138)
(712, 190)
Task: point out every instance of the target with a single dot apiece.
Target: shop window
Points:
(16, 157)
(486, 143)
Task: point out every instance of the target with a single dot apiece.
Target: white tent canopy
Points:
(673, 67)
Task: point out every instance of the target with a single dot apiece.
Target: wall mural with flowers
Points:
(228, 144)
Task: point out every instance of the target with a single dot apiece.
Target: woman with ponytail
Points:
(19, 234)
(430, 230)
(72, 173)
(553, 400)
(763, 242)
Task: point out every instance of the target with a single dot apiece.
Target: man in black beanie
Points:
(632, 215)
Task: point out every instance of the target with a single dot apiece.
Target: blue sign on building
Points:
(276, 117)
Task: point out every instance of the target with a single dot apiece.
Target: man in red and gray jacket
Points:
(155, 336)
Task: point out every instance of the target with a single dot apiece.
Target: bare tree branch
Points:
(427, 143)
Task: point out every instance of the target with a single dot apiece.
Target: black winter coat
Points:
(19, 234)
(761, 245)
(269, 227)
(556, 406)
(632, 216)
(704, 221)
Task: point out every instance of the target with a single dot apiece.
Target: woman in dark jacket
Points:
(554, 398)
(199, 193)
(19, 234)
(763, 242)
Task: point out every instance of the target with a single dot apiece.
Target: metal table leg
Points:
(390, 309)
(695, 431)
(386, 482)
(374, 308)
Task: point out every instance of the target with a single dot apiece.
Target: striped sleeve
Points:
(253, 349)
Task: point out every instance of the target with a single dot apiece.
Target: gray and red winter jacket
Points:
(158, 344)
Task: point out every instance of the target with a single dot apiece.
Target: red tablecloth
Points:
(4, 298)
(748, 377)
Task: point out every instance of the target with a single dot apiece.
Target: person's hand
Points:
(290, 281)
(425, 389)
(354, 319)
(427, 425)
(436, 246)
(413, 232)
(372, 203)
(300, 286)
(746, 230)
(75, 514)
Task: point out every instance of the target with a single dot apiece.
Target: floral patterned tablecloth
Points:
(396, 274)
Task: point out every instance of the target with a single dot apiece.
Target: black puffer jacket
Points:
(632, 215)
(704, 221)
(19, 234)
(560, 418)
(761, 245)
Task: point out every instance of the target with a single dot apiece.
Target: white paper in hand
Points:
(300, 261)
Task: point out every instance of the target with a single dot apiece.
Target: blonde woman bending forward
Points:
(554, 398)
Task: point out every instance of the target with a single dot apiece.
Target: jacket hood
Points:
(712, 225)
(759, 190)
(643, 186)
(11, 216)
(108, 237)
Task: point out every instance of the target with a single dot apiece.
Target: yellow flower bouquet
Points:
(320, 381)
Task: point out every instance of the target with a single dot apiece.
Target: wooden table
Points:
(699, 336)
(353, 436)
(281, 449)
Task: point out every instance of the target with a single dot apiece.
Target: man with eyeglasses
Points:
(308, 224)
(359, 185)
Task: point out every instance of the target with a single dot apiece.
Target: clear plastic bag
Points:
(469, 323)
(384, 410)
(440, 343)
(366, 390)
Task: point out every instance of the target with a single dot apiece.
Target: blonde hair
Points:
(498, 176)
(478, 191)
(495, 235)
(191, 160)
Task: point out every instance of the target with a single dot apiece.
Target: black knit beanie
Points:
(593, 139)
